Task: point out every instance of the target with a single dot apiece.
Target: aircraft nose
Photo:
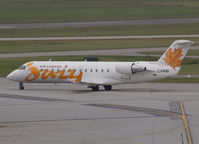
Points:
(11, 76)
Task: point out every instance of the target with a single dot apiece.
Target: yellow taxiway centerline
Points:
(185, 123)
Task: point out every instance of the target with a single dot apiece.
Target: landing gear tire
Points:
(108, 87)
(95, 88)
(21, 87)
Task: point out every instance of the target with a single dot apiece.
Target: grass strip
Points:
(27, 11)
(69, 45)
(179, 80)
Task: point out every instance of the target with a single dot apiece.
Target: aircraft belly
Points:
(105, 79)
(137, 78)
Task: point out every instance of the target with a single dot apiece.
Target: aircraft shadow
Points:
(125, 90)
(122, 90)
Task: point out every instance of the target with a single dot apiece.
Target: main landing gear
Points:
(108, 87)
(96, 88)
(21, 87)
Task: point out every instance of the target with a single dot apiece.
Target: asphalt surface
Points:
(115, 52)
(99, 23)
(97, 37)
(146, 113)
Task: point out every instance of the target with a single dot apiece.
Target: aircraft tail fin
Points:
(175, 54)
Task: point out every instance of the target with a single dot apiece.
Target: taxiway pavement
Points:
(98, 37)
(99, 23)
(145, 113)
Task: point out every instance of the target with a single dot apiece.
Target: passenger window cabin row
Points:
(96, 70)
(80, 70)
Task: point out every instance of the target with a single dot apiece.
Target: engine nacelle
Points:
(137, 68)
(129, 68)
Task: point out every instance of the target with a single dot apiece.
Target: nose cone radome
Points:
(11, 76)
(8, 76)
(17, 75)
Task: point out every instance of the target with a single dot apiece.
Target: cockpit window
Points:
(22, 67)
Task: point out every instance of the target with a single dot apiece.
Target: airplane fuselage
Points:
(94, 74)
(90, 72)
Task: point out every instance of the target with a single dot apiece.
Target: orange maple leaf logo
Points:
(173, 58)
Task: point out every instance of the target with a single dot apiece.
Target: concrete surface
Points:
(98, 37)
(99, 23)
(67, 114)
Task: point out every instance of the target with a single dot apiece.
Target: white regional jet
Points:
(95, 74)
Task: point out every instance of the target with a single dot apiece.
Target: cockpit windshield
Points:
(22, 68)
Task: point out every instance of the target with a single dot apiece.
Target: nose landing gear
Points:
(96, 87)
(21, 87)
